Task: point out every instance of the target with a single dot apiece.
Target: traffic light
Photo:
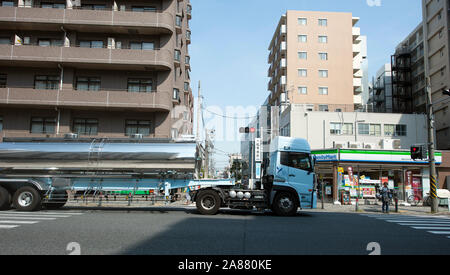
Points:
(446, 92)
(247, 130)
(418, 152)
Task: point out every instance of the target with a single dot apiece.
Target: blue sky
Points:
(230, 40)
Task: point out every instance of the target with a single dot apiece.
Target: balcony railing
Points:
(157, 100)
(159, 58)
(95, 18)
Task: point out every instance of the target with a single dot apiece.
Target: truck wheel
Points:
(5, 199)
(59, 201)
(208, 202)
(285, 204)
(27, 199)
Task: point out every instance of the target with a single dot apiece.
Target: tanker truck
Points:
(36, 173)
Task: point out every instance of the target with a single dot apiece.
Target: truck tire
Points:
(59, 201)
(27, 199)
(5, 199)
(208, 202)
(285, 204)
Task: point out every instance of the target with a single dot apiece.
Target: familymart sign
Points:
(375, 156)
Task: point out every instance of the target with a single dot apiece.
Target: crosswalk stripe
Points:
(431, 228)
(30, 215)
(424, 224)
(416, 221)
(440, 232)
(19, 222)
(26, 218)
(8, 226)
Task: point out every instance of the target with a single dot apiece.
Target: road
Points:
(183, 231)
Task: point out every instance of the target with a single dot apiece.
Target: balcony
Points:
(90, 20)
(92, 57)
(154, 101)
(356, 49)
(356, 32)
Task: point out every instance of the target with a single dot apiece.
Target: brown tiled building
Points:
(106, 68)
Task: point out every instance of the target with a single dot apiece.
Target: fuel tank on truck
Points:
(99, 155)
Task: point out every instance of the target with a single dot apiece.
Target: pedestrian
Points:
(386, 197)
(188, 196)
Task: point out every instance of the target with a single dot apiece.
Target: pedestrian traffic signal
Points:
(446, 92)
(418, 152)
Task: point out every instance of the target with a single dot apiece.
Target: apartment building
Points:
(436, 25)
(380, 95)
(317, 59)
(98, 69)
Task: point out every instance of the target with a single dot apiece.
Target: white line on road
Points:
(424, 224)
(18, 222)
(45, 213)
(30, 215)
(26, 218)
(8, 226)
(431, 228)
(440, 232)
(418, 221)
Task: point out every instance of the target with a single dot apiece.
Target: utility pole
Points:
(199, 111)
(431, 150)
(431, 143)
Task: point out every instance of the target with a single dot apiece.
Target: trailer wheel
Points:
(208, 202)
(285, 204)
(5, 199)
(27, 199)
(59, 201)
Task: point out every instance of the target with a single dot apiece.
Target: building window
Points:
(323, 108)
(303, 38)
(88, 127)
(53, 5)
(323, 39)
(5, 41)
(142, 45)
(302, 21)
(178, 21)
(323, 56)
(143, 9)
(91, 44)
(323, 73)
(323, 90)
(48, 42)
(303, 90)
(176, 94)
(303, 55)
(1, 123)
(177, 55)
(93, 7)
(3, 78)
(46, 82)
(369, 129)
(302, 72)
(186, 86)
(140, 85)
(323, 22)
(341, 128)
(8, 4)
(41, 125)
(395, 130)
(137, 127)
(88, 83)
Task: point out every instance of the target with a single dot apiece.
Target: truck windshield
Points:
(300, 161)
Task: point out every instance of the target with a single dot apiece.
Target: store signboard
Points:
(382, 156)
(257, 149)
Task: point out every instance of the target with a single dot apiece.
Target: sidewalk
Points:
(376, 209)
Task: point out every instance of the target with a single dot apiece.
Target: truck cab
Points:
(288, 183)
(290, 174)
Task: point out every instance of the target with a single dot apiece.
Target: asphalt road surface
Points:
(182, 231)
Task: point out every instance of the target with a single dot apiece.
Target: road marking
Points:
(30, 215)
(417, 221)
(424, 224)
(8, 226)
(46, 213)
(18, 222)
(431, 228)
(27, 218)
(440, 232)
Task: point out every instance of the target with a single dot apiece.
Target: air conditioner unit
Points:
(137, 136)
(397, 144)
(370, 146)
(387, 144)
(338, 145)
(352, 145)
(71, 136)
